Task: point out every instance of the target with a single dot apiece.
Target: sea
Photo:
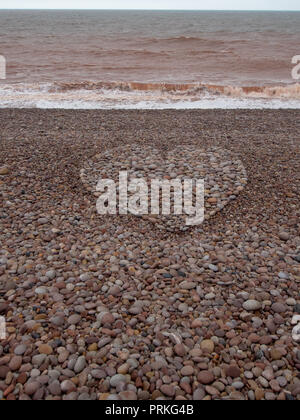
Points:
(96, 59)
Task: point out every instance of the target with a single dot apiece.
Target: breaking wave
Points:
(91, 94)
(287, 91)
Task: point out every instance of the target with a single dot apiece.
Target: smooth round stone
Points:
(187, 285)
(106, 318)
(31, 388)
(183, 307)
(84, 397)
(275, 354)
(51, 274)
(252, 305)
(117, 379)
(15, 363)
(84, 277)
(243, 295)
(207, 346)
(98, 374)
(74, 319)
(43, 221)
(20, 350)
(168, 390)
(263, 382)
(248, 375)
(205, 377)
(38, 359)
(58, 320)
(41, 290)
(279, 308)
(187, 371)
(233, 371)
(54, 374)
(281, 381)
(4, 370)
(135, 310)
(113, 397)
(67, 386)
(45, 349)
(3, 308)
(268, 374)
(198, 394)
(284, 236)
(269, 396)
(55, 388)
(180, 350)
(197, 323)
(238, 385)
(210, 296)
(80, 364)
(114, 291)
(123, 369)
(291, 302)
(4, 170)
(128, 395)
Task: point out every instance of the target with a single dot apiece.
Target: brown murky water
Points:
(119, 57)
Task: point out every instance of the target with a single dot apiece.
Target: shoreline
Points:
(94, 95)
(121, 310)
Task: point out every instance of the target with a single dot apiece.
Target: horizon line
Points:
(158, 10)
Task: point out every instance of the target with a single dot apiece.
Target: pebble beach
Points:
(123, 308)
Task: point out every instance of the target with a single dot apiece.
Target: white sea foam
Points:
(49, 96)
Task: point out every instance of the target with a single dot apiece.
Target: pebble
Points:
(80, 364)
(74, 319)
(4, 170)
(45, 349)
(180, 350)
(187, 285)
(31, 388)
(58, 320)
(168, 390)
(252, 305)
(20, 350)
(207, 346)
(205, 377)
(41, 290)
(284, 236)
(106, 318)
(233, 371)
(15, 363)
(187, 371)
(128, 396)
(117, 379)
(123, 308)
(198, 394)
(279, 308)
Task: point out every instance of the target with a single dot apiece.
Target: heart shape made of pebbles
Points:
(224, 175)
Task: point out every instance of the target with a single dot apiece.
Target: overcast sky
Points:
(153, 4)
